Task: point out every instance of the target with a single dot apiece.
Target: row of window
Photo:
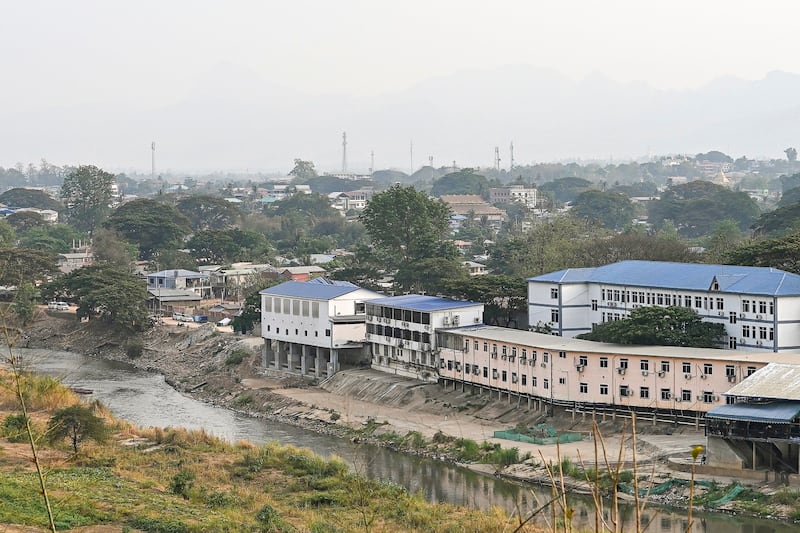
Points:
(288, 306)
(414, 317)
(297, 331)
(583, 388)
(763, 307)
(764, 333)
(399, 333)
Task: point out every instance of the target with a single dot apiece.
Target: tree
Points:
(219, 246)
(87, 194)
(24, 221)
(724, 238)
(21, 197)
(634, 244)
(22, 265)
(7, 235)
(504, 297)
(465, 181)
(303, 170)
(612, 210)
(782, 253)
(109, 247)
(662, 326)
(251, 311)
(208, 212)
(150, 224)
(25, 302)
(56, 239)
(779, 221)
(406, 224)
(791, 154)
(714, 156)
(77, 423)
(565, 190)
(698, 205)
(107, 293)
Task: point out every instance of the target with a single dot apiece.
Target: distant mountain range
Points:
(235, 120)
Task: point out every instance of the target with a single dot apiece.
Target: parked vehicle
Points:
(201, 318)
(180, 317)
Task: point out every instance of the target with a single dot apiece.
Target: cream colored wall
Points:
(567, 368)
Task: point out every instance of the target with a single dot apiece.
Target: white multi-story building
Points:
(312, 327)
(401, 330)
(759, 307)
(527, 196)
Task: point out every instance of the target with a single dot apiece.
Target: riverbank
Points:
(404, 415)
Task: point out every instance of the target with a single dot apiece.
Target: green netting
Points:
(661, 488)
(560, 438)
(733, 493)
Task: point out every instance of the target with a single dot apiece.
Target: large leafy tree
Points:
(20, 197)
(778, 221)
(782, 253)
(105, 292)
(150, 224)
(76, 423)
(504, 297)
(566, 189)
(303, 170)
(57, 239)
(465, 181)
(663, 326)
(697, 206)
(612, 210)
(208, 212)
(7, 234)
(22, 265)
(227, 246)
(87, 193)
(24, 221)
(406, 224)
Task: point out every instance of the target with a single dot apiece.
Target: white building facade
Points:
(312, 327)
(759, 307)
(401, 330)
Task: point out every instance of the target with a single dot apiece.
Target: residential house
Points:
(196, 282)
(301, 273)
(473, 207)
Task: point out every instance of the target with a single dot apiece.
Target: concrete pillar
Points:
(333, 365)
(318, 362)
(277, 354)
(754, 455)
(304, 359)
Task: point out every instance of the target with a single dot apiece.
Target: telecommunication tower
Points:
(511, 163)
(344, 152)
(153, 160)
(496, 158)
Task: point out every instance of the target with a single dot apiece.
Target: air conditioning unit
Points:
(687, 376)
(661, 374)
(715, 398)
(544, 365)
(759, 343)
(741, 341)
(758, 317)
(732, 379)
(703, 376)
(700, 398)
(721, 313)
(427, 327)
(612, 304)
(630, 392)
(678, 399)
(456, 320)
(580, 368)
(645, 372)
(446, 321)
(669, 396)
(621, 370)
(504, 357)
(405, 324)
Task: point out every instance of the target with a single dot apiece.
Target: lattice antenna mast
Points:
(344, 152)
(511, 163)
(497, 158)
(153, 160)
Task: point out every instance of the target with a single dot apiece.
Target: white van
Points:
(62, 306)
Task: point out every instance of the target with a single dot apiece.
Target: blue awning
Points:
(771, 413)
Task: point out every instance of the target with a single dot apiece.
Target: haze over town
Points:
(253, 85)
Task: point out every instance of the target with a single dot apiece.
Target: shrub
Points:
(181, 483)
(14, 428)
(134, 348)
(269, 520)
(335, 416)
(235, 358)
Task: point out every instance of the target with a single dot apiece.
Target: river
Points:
(146, 399)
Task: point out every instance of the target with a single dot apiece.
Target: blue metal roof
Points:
(773, 412)
(309, 289)
(683, 276)
(418, 302)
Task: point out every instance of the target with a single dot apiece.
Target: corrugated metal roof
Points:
(177, 273)
(419, 302)
(683, 276)
(315, 291)
(555, 343)
(174, 295)
(773, 412)
(776, 380)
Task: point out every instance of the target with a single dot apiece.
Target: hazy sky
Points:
(151, 53)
